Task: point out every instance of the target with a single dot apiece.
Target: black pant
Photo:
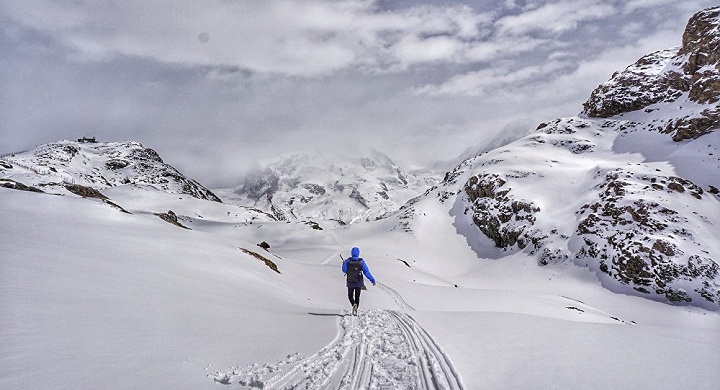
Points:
(354, 295)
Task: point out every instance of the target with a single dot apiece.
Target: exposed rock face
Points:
(565, 194)
(85, 192)
(689, 74)
(7, 183)
(262, 258)
(701, 46)
(636, 240)
(642, 84)
(499, 216)
(171, 218)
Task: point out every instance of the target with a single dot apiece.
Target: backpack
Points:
(354, 271)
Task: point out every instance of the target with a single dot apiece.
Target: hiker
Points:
(354, 267)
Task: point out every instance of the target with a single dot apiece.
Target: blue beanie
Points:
(355, 252)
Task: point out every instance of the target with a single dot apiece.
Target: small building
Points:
(86, 140)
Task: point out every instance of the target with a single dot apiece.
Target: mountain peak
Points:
(101, 165)
(685, 80)
(361, 185)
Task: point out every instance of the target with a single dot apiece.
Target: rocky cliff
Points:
(687, 77)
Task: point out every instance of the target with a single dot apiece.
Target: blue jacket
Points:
(365, 270)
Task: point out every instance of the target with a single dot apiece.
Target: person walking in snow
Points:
(354, 267)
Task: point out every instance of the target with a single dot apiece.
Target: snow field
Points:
(94, 297)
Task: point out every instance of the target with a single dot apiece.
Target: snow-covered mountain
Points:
(124, 175)
(686, 79)
(628, 189)
(92, 296)
(344, 188)
(61, 167)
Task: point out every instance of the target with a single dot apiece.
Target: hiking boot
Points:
(355, 309)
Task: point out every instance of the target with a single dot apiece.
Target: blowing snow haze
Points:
(217, 86)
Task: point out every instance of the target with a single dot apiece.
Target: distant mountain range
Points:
(344, 188)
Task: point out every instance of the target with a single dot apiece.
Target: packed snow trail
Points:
(379, 349)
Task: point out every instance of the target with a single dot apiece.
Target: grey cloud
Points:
(555, 17)
(300, 37)
(273, 77)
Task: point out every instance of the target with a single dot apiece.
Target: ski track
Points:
(378, 349)
(396, 297)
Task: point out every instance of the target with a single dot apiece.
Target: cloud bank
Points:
(215, 86)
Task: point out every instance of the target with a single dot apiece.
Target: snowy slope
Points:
(52, 167)
(93, 296)
(322, 186)
(632, 197)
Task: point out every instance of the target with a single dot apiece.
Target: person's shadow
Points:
(327, 314)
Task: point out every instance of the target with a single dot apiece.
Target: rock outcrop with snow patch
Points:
(688, 77)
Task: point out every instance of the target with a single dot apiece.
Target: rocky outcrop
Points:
(689, 74)
(642, 84)
(262, 258)
(8, 183)
(85, 192)
(504, 219)
(635, 239)
(171, 218)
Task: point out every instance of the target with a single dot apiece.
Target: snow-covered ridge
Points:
(688, 77)
(616, 196)
(345, 188)
(98, 165)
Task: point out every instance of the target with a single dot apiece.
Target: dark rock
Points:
(117, 164)
(619, 230)
(314, 189)
(313, 225)
(85, 192)
(146, 154)
(262, 258)
(699, 59)
(503, 219)
(8, 183)
(171, 217)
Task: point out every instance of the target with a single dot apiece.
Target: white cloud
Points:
(555, 17)
(634, 5)
(288, 37)
(496, 79)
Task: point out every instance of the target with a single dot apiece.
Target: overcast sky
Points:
(215, 86)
